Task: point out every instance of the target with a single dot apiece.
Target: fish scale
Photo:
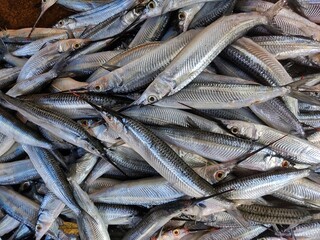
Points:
(219, 95)
(191, 61)
(303, 192)
(144, 138)
(19, 207)
(234, 233)
(151, 30)
(286, 145)
(283, 47)
(289, 22)
(149, 64)
(255, 186)
(214, 146)
(151, 191)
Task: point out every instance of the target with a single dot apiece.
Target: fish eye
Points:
(234, 130)
(137, 10)
(26, 186)
(109, 117)
(38, 227)
(285, 164)
(98, 88)
(176, 232)
(60, 23)
(181, 16)
(152, 99)
(152, 5)
(218, 175)
(76, 46)
(84, 123)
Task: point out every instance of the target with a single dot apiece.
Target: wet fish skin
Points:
(18, 206)
(112, 27)
(64, 127)
(133, 193)
(261, 184)
(275, 114)
(264, 66)
(289, 22)
(310, 9)
(75, 107)
(145, 67)
(151, 30)
(17, 172)
(23, 33)
(33, 47)
(52, 174)
(213, 146)
(155, 219)
(234, 233)
(154, 115)
(273, 215)
(100, 183)
(51, 206)
(7, 224)
(14, 153)
(91, 224)
(288, 146)
(210, 12)
(308, 230)
(124, 58)
(284, 47)
(158, 154)
(244, 114)
(191, 61)
(158, 7)
(47, 56)
(221, 96)
(8, 76)
(302, 192)
(96, 15)
(34, 84)
(186, 15)
(6, 144)
(114, 214)
(15, 129)
(86, 64)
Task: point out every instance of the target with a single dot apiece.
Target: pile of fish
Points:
(162, 119)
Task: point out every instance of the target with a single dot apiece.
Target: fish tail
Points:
(299, 90)
(275, 9)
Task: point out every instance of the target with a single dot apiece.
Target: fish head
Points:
(104, 83)
(155, 92)
(182, 17)
(242, 129)
(66, 23)
(42, 225)
(214, 173)
(272, 161)
(153, 8)
(114, 122)
(173, 234)
(71, 44)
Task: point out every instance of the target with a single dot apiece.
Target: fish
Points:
(158, 119)
(190, 62)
